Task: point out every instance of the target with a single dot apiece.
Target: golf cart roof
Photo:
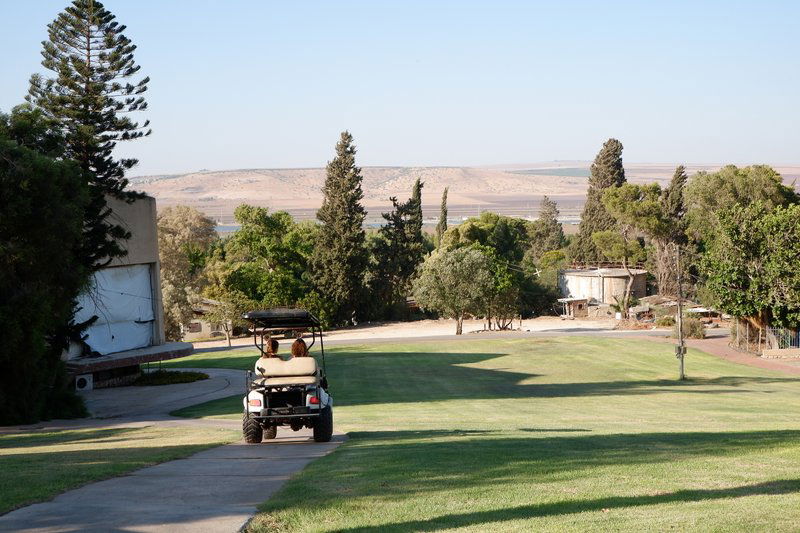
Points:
(282, 318)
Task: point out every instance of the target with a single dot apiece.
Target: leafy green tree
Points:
(623, 247)
(455, 283)
(709, 193)
(42, 201)
(509, 239)
(441, 227)
(340, 258)
(184, 238)
(606, 171)
(508, 236)
(657, 213)
(502, 303)
(266, 260)
(227, 310)
(546, 233)
(750, 263)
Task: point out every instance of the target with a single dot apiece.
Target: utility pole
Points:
(680, 349)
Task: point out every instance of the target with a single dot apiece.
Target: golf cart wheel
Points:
(271, 432)
(323, 427)
(252, 430)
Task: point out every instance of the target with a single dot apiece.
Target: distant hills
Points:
(513, 190)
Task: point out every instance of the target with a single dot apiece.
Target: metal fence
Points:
(755, 340)
(782, 338)
(746, 338)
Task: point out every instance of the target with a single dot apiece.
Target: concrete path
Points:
(216, 490)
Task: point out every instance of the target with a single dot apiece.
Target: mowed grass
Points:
(37, 466)
(572, 433)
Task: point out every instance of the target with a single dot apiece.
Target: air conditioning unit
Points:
(84, 382)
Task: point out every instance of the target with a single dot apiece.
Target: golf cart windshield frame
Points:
(285, 319)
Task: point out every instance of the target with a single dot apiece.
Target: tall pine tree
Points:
(91, 98)
(441, 227)
(606, 171)
(340, 258)
(91, 95)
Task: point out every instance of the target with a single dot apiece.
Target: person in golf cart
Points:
(299, 348)
(270, 353)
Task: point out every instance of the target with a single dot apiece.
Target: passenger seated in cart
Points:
(299, 348)
(271, 351)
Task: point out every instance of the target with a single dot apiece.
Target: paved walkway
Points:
(216, 490)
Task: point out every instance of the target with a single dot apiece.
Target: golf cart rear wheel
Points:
(252, 430)
(323, 427)
(271, 432)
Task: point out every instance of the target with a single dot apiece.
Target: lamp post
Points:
(680, 349)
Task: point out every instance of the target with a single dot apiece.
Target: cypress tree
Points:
(414, 227)
(606, 171)
(441, 227)
(399, 251)
(339, 260)
(674, 205)
(547, 233)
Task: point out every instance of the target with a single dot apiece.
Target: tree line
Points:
(345, 274)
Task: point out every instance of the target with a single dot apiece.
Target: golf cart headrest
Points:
(282, 318)
(296, 366)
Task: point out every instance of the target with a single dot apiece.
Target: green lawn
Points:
(36, 466)
(570, 433)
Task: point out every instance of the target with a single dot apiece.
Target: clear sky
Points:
(245, 84)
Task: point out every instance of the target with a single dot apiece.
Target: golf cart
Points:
(286, 392)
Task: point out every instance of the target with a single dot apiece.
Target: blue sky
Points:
(245, 84)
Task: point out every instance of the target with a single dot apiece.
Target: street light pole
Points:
(680, 349)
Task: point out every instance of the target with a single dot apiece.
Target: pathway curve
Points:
(718, 346)
(216, 490)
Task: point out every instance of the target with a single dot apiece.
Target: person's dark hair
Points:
(272, 347)
(299, 348)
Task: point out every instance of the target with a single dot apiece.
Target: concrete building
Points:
(200, 328)
(126, 299)
(601, 285)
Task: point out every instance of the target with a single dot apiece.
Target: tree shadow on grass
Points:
(377, 377)
(417, 462)
(398, 377)
(777, 487)
(32, 439)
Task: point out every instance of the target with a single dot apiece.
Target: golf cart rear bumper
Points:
(278, 413)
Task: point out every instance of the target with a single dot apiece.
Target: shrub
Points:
(665, 321)
(169, 377)
(693, 328)
(42, 270)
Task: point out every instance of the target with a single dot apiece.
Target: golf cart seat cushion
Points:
(289, 380)
(274, 367)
